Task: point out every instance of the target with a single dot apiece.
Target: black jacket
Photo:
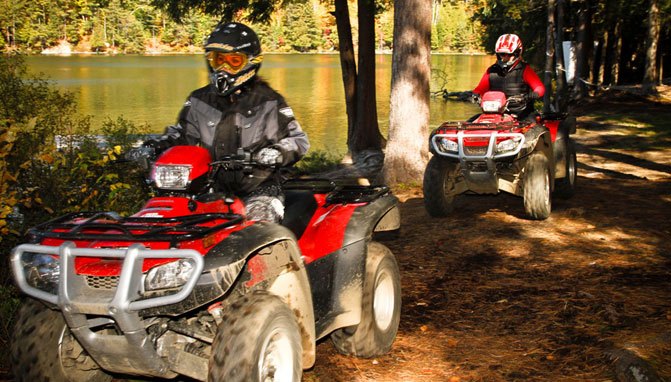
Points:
(252, 119)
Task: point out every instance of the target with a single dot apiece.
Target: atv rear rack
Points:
(338, 191)
(111, 226)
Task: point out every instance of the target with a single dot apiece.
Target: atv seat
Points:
(299, 206)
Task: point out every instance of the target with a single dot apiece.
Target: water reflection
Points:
(151, 89)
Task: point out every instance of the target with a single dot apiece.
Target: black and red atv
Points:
(495, 152)
(188, 286)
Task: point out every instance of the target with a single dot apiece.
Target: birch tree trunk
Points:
(407, 148)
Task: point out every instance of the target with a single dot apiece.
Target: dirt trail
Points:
(491, 296)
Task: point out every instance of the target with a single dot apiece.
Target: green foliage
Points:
(316, 162)
(9, 304)
(454, 29)
(527, 19)
(301, 27)
(139, 26)
(39, 181)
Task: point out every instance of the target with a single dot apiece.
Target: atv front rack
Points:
(489, 152)
(111, 226)
(465, 125)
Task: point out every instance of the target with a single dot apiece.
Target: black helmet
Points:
(233, 53)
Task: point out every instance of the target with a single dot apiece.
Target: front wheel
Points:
(43, 349)
(537, 202)
(439, 186)
(380, 310)
(258, 340)
(565, 187)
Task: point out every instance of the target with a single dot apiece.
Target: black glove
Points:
(517, 99)
(141, 155)
(534, 96)
(158, 145)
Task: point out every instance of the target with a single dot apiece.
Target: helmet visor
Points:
(230, 62)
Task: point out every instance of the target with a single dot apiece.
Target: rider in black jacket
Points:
(240, 110)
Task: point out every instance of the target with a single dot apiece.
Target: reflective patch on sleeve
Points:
(287, 112)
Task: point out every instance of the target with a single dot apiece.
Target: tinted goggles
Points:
(231, 62)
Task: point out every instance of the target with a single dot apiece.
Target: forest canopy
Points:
(135, 26)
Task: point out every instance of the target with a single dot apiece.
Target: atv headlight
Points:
(491, 106)
(448, 145)
(507, 145)
(172, 177)
(170, 275)
(42, 271)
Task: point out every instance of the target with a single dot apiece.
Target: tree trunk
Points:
(366, 133)
(407, 149)
(559, 58)
(603, 46)
(549, 56)
(347, 64)
(617, 52)
(650, 76)
(583, 49)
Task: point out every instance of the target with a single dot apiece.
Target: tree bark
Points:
(407, 149)
(650, 77)
(347, 63)
(366, 133)
(560, 100)
(617, 52)
(549, 55)
(583, 49)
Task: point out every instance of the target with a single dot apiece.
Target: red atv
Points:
(495, 152)
(187, 286)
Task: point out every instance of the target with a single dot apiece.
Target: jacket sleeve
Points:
(483, 85)
(182, 133)
(295, 144)
(534, 82)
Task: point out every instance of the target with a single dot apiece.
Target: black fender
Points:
(337, 279)
(538, 139)
(380, 215)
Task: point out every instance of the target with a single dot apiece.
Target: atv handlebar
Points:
(241, 161)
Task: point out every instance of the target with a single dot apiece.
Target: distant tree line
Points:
(612, 38)
(136, 26)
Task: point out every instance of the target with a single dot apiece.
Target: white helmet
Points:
(508, 50)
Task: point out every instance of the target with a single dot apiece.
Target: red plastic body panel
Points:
(326, 230)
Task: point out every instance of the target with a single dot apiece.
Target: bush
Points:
(39, 181)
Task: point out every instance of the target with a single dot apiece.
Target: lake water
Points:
(151, 89)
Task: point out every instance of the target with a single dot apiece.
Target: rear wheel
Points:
(380, 310)
(43, 349)
(258, 340)
(440, 180)
(565, 187)
(537, 201)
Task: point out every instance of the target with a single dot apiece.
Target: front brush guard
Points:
(85, 309)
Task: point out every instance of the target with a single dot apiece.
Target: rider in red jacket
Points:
(513, 76)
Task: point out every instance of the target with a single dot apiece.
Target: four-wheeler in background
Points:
(495, 152)
(188, 286)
